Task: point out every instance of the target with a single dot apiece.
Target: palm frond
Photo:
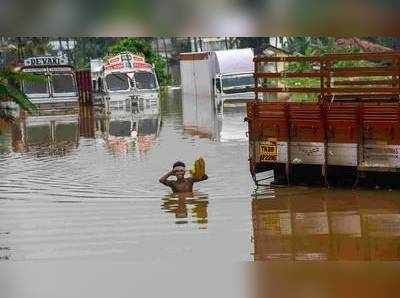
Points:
(14, 94)
(9, 74)
(6, 114)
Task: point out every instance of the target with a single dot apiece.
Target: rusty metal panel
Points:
(306, 123)
(342, 154)
(312, 153)
(379, 155)
(271, 121)
(342, 122)
(381, 135)
(269, 128)
(380, 131)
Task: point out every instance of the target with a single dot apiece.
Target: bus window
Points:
(64, 84)
(36, 88)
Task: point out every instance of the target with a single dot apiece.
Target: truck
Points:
(341, 121)
(208, 80)
(218, 76)
(126, 78)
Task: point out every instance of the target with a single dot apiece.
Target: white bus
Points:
(57, 90)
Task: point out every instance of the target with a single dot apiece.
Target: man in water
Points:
(181, 184)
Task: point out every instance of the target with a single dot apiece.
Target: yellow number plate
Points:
(268, 152)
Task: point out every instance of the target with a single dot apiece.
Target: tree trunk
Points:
(166, 55)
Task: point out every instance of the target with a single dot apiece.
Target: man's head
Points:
(179, 169)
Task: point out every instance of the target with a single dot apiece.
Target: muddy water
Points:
(81, 186)
(315, 224)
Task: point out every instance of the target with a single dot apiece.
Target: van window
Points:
(218, 84)
(237, 82)
(64, 83)
(117, 82)
(145, 80)
(36, 87)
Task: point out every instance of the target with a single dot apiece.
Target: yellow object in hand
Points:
(198, 169)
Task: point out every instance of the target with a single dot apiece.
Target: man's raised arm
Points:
(164, 179)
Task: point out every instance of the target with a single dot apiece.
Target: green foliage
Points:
(9, 91)
(87, 48)
(318, 46)
(257, 43)
(142, 47)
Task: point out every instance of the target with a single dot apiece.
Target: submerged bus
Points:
(57, 90)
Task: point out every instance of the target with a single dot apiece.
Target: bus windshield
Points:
(117, 81)
(237, 82)
(64, 83)
(37, 87)
(145, 80)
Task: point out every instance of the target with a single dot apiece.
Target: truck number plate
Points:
(268, 152)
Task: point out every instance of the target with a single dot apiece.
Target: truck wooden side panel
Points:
(307, 133)
(353, 125)
(381, 135)
(342, 133)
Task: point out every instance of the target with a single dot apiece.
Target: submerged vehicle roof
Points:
(234, 61)
(226, 61)
(126, 62)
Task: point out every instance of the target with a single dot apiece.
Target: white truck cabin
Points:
(233, 74)
(128, 77)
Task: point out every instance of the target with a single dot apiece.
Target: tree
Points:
(143, 47)
(32, 46)
(90, 47)
(9, 91)
(259, 44)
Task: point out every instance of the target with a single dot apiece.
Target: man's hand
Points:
(164, 178)
(205, 177)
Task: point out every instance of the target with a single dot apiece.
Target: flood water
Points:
(79, 186)
(82, 187)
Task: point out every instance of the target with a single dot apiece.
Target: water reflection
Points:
(5, 250)
(187, 209)
(120, 210)
(319, 224)
(202, 119)
(87, 122)
(130, 129)
(46, 135)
